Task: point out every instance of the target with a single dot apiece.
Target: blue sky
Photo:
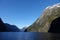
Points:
(23, 12)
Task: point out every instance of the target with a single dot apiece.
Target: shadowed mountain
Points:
(25, 30)
(2, 26)
(5, 27)
(55, 26)
(11, 28)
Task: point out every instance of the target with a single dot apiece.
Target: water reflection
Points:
(29, 36)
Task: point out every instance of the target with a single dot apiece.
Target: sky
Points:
(23, 13)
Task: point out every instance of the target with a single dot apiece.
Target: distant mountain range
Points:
(43, 23)
(5, 27)
(24, 29)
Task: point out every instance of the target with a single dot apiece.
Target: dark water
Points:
(29, 36)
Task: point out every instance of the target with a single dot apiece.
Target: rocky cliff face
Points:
(42, 24)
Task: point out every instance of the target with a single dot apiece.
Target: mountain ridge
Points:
(5, 27)
(42, 24)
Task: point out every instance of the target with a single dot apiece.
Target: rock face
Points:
(43, 23)
(4, 27)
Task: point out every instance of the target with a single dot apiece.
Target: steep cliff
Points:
(42, 24)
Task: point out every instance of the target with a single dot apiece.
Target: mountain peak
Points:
(43, 23)
(53, 6)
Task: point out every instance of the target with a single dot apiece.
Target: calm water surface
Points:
(29, 36)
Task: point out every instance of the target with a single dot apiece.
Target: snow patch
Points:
(56, 5)
(48, 7)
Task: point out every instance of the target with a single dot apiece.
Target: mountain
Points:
(2, 26)
(11, 28)
(43, 23)
(5, 27)
(24, 29)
